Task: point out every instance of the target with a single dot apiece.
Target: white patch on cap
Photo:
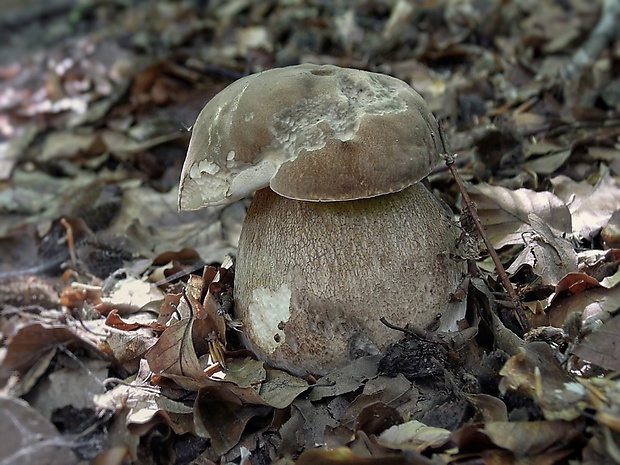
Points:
(268, 312)
(203, 167)
(251, 178)
(309, 123)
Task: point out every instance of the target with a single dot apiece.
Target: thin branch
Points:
(501, 271)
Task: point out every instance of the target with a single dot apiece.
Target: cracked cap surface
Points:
(310, 132)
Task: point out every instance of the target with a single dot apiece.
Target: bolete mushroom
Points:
(340, 232)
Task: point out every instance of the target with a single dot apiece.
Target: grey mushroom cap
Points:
(310, 132)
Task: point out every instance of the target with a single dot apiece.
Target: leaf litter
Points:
(119, 343)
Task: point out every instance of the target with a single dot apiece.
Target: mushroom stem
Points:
(314, 279)
(501, 271)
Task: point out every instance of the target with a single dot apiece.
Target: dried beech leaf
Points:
(375, 418)
(32, 341)
(246, 372)
(536, 373)
(590, 303)
(413, 434)
(70, 387)
(126, 346)
(551, 257)
(394, 392)
(505, 213)
(280, 389)
(548, 163)
(488, 408)
(347, 379)
(591, 206)
(222, 416)
(602, 346)
(29, 438)
(532, 439)
(174, 354)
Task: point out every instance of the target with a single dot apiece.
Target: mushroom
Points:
(339, 232)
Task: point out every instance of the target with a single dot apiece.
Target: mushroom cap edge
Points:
(310, 132)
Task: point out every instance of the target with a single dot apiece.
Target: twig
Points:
(417, 333)
(70, 240)
(501, 271)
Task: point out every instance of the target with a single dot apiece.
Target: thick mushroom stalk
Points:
(340, 233)
(313, 279)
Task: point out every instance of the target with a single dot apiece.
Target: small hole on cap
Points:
(322, 72)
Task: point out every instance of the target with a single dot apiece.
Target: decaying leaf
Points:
(27, 437)
(280, 389)
(34, 340)
(146, 406)
(537, 374)
(591, 207)
(545, 442)
(505, 213)
(111, 106)
(74, 386)
(221, 415)
(174, 353)
(549, 256)
(591, 301)
(413, 435)
(602, 346)
(347, 379)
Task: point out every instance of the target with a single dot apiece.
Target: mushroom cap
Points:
(310, 132)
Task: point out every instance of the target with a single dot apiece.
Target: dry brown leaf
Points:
(67, 144)
(591, 207)
(72, 387)
(488, 408)
(548, 163)
(246, 372)
(602, 346)
(550, 256)
(413, 435)
(127, 346)
(536, 373)
(34, 340)
(28, 438)
(174, 354)
(534, 439)
(280, 389)
(505, 213)
(345, 456)
(222, 416)
(590, 302)
(347, 379)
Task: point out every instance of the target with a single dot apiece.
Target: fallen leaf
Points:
(591, 207)
(346, 379)
(505, 214)
(548, 255)
(74, 387)
(246, 373)
(536, 373)
(32, 341)
(488, 408)
(602, 346)
(546, 441)
(280, 389)
(413, 434)
(174, 354)
(222, 416)
(28, 438)
(590, 302)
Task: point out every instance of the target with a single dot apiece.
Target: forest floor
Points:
(102, 359)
